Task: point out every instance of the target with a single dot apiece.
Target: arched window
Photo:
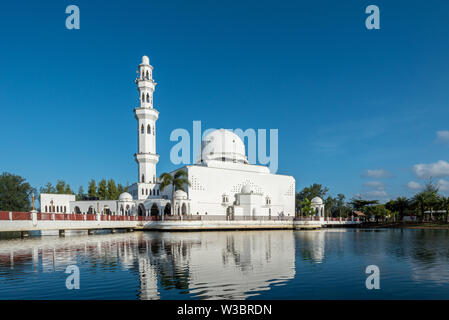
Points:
(148, 75)
(143, 192)
(148, 97)
(154, 192)
(157, 191)
(46, 209)
(148, 129)
(143, 97)
(65, 209)
(143, 179)
(142, 129)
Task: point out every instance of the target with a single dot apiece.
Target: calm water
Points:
(324, 264)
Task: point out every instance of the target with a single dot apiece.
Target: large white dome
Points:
(222, 145)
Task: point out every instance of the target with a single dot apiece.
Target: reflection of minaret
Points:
(147, 279)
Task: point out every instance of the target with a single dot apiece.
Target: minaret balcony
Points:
(147, 157)
(146, 113)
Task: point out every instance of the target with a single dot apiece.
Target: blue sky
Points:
(357, 110)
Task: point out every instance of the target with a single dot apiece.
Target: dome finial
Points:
(145, 60)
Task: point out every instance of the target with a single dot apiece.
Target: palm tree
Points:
(444, 204)
(177, 181)
(401, 204)
(420, 200)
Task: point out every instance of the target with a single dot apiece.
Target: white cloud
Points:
(375, 194)
(414, 185)
(443, 185)
(443, 136)
(375, 184)
(436, 170)
(374, 190)
(376, 173)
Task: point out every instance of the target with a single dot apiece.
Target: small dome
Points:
(246, 189)
(180, 194)
(222, 145)
(125, 196)
(317, 200)
(145, 60)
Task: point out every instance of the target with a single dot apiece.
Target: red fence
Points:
(21, 215)
(4, 215)
(44, 216)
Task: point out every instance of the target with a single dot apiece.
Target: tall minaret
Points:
(146, 117)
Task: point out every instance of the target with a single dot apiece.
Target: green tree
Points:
(306, 208)
(48, 188)
(80, 194)
(361, 205)
(120, 189)
(102, 190)
(330, 205)
(113, 192)
(419, 201)
(378, 211)
(315, 190)
(400, 206)
(343, 210)
(92, 189)
(177, 181)
(15, 193)
(60, 187)
(445, 206)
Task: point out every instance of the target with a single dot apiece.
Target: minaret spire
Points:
(146, 117)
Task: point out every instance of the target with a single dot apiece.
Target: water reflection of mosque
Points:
(211, 265)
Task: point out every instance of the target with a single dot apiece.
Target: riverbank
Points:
(407, 225)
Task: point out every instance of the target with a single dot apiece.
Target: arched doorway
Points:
(91, 210)
(184, 209)
(141, 210)
(154, 210)
(167, 209)
(77, 210)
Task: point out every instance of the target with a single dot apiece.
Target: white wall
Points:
(60, 202)
(208, 184)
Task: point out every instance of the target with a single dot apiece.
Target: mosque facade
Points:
(222, 182)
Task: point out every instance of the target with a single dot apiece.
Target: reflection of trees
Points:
(310, 245)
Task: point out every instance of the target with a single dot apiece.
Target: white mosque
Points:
(222, 182)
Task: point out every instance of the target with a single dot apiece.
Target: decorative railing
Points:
(12, 216)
